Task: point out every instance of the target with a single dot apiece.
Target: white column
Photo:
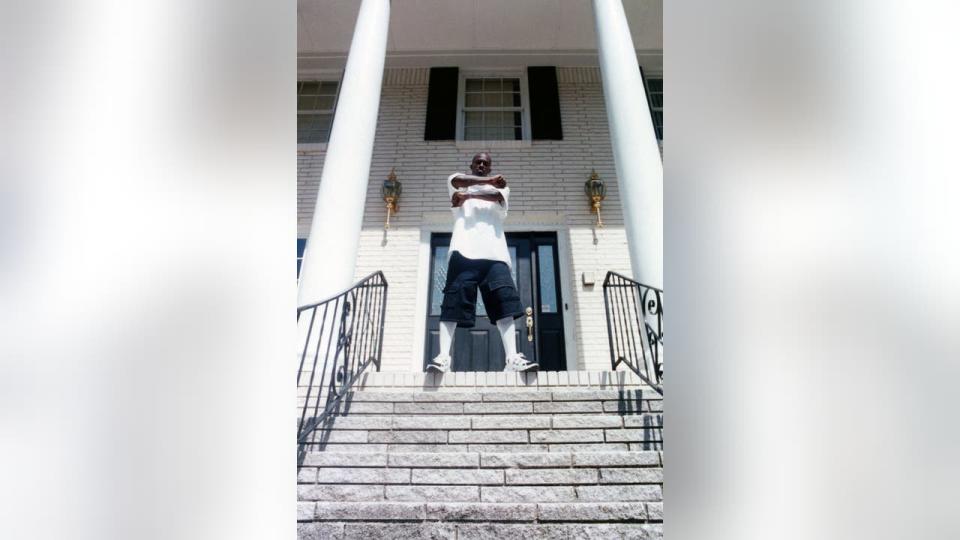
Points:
(635, 150)
(331, 251)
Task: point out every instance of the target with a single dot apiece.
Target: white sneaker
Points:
(441, 363)
(518, 362)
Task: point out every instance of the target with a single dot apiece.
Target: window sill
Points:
(311, 147)
(469, 145)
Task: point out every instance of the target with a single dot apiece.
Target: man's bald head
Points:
(481, 164)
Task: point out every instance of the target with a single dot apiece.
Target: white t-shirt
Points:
(478, 224)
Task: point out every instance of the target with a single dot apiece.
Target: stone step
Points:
(492, 422)
(504, 408)
(578, 401)
(471, 395)
(650, 433)
(311, 477)
(636, 511)
(528, 447)
(339, 530)
(483, 459)
(479, 493)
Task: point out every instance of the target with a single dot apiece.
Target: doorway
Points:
(535, 270)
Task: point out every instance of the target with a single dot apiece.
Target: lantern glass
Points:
(594, 187)
(391, 188)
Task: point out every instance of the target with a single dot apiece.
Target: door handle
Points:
(529, 312)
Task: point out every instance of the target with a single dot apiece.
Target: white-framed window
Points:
(493, 106)
(316, 101)
(655, 97)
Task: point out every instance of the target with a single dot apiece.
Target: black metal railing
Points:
(635, 327)
(344, 335)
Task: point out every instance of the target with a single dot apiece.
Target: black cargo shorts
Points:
(464, 277)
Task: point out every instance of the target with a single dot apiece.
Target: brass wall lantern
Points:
(391, 194)
(596, 191)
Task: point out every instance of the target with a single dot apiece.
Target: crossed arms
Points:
(466, 180)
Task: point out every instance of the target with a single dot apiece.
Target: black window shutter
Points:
(442, 104)
(544, 103)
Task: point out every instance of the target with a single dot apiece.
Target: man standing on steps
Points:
(478, 258)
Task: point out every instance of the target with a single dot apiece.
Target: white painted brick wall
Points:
(545, 176)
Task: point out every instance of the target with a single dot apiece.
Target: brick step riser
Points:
(341, 476)
(486, 459)
(467, 512)
(488, 422)
(587, 493)
(474, 531)
(501, 408)
(505, 448)
(505, 436)
(498, 394)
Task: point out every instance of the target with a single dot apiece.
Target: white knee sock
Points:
(447, 328)
(508, 333)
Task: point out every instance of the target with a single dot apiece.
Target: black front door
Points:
(536, 273)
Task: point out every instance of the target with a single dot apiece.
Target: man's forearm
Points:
(467, 180)
(459, 198)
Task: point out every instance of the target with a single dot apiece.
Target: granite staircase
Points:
(486, 455)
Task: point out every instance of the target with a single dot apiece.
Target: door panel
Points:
(479, 348)
(548, 312)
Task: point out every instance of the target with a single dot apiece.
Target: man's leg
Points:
(504, 306)
(508, 333)
(442, 361)
(447, 328)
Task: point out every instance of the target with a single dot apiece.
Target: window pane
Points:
(548, 285)
(313, 128)
(516, 99)
(492, 100)
(655, 97)
(506, 134)
(439, 278)
(322, 121)
(516, 119)
(324, 103)
(316, 95)
(491, 134)
(474, 85)
(474, 100)
(491, 85)
(473, 119)
(473, 134)
(491, 119)
(329, 88)
(306, 103)
(517, 134)
(301, 245)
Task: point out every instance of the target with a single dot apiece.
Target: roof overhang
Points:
(480, 33)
